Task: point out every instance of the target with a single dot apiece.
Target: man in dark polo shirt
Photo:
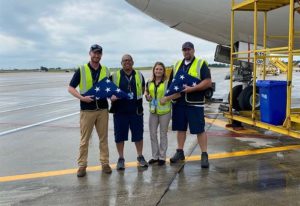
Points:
(92, 112)
(188, 110)
(128, 114)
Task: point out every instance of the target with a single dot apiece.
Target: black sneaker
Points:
(161, 162)
(121, 164)
(152, 161)
(204, 160)
(141, 161)
(178, 156)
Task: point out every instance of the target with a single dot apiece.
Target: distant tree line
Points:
(218, 65)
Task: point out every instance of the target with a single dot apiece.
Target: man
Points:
(128, 114)
(189, 108)
(93, 112)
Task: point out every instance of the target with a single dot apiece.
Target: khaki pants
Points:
(159, 150)
(89, 119)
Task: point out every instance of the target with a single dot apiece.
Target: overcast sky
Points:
(58, 33)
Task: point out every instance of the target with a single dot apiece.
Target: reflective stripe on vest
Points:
(155, 106)
(86, 79)
(116, 77)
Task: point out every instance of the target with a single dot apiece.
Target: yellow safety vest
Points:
(138, 82)
(86, 79)
(157, 93)
(195, 71)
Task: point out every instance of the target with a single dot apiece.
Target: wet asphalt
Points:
(39, 133)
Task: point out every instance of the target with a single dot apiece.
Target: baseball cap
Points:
(188, 45)
(96, 48)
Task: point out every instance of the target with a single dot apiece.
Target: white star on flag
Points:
(167, 91)
(97, 89)
(105, 89)
(183, 80)
(173, 80)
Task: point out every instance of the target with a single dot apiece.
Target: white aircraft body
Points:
(210, 20)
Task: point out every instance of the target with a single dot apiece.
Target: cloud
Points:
(11, 44)
(58, 33)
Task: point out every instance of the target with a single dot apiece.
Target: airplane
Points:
(211, 20)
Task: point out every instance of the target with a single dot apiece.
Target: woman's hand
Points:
(148, 97)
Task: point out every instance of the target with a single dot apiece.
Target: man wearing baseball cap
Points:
(92, 112)
(188, 110)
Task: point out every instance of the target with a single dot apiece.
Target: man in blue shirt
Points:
(92, 112)
(128, 114)
(188, 110)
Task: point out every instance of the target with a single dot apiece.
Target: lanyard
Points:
(129, 82)
(96, 78)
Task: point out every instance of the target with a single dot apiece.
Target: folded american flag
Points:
(105, 89)
(179, 81)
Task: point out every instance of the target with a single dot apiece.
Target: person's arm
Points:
(72, 88)
(204, 84)
(76, 94)
(165, 99)
(113, 98)
(143, 84)
(146, 93)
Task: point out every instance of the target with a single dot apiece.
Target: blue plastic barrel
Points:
(272, 101)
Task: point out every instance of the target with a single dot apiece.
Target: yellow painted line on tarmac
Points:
(246, 152)
(134, 164)
(222, 124)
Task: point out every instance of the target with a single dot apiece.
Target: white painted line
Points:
(36, 124)
(37, 105)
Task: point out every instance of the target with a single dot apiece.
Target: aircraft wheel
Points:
(208, 93)
(245, 98)
(236, 90)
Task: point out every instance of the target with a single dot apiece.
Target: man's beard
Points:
(95, 60)
(188, 58)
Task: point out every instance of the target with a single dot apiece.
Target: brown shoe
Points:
(106, 168)
(81, 172)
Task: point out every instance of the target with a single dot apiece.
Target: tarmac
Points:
(39, 140)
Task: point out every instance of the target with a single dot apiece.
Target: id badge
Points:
(131, 95)
(153, 102)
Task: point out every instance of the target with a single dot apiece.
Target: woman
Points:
(160, 112)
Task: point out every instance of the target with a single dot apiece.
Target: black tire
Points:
(236, 90)
(245, 98)
(208, 93)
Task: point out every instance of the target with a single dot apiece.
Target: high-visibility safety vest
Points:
(138, 82)
(195, 71)
(157, 93)
(86, 79)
